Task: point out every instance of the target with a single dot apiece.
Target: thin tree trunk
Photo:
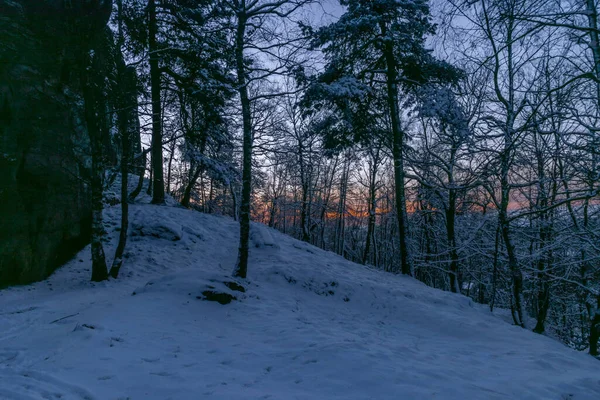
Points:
(398, 155)
(187, 194)
(92, 86)
(451, 223)
(372, 207)
(99, 268)
(211, 196)
(284, 209)
(340, 231)
(495, 269)
(126, 82)
(451, 238)
(241, 268)
(450, 232)
(304, 214)
(272, 211)
(505, 187)
(158, 192)
(515, 271)
(595, 329)
(149, 189)
(118, 259)
(140, 183)
(171, 156)
(304, 185)
(326, 203)
(592, 13)
(202, 194)
(234, 202)
(594, 43)
(543, 296)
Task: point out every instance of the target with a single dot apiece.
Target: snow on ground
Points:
(311, 325)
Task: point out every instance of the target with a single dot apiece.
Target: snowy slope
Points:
(310, 326)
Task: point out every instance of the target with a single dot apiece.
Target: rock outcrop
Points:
(44, 145)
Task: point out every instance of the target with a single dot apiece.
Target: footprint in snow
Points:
(9, 357)
(38, 385)
(161, 373)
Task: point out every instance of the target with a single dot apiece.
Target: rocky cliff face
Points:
(44, 146)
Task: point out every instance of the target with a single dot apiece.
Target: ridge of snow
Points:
(311, 325)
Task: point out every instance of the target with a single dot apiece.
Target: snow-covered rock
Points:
(260, 236)
(156, 225)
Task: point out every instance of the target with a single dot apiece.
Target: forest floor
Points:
(310, 325)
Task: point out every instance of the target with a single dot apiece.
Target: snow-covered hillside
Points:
(310, 325)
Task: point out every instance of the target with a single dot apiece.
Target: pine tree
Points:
(383, 42)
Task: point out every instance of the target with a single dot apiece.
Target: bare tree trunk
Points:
(398, 154)
(118, 259)
(594, 44)
(592, 13)
(451, 223)
(94, 103)
(304, 186)
(126, 82)
(158, 190)
(372, 209)
(99, 268)
(515, 270)
(595, 329)
(326, 202)
(234, 202)
(149, 189)
(495, 269)
(543, 296)
(340, 230)
(171, 156)
(124, 127)
(187, 193)
(546, 218)
(140, 183)
(211, 195)
(284, 210)
(304, 214)
(241, 268)
(451, 238)
(505, 186)
(272, 211)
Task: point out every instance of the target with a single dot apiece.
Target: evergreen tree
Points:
(383, 41)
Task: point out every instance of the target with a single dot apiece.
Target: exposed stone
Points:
(235, 286)
(44, 146)
(219, 297)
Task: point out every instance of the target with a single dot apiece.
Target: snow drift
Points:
(310, 325)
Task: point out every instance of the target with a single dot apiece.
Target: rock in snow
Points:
(308, 325)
